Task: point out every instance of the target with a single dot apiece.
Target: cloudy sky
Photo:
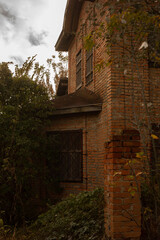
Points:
(29, 27)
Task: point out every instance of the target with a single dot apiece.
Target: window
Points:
(154, 46)
(68, 151)
(154, 50)
(78, 69)
(89, 66)
(155, 160)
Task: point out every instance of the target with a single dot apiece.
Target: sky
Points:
(29, 27)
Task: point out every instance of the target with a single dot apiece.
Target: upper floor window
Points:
(78, 69)
(155, 151)
(89, 66)
(154, 50)
(154, 43)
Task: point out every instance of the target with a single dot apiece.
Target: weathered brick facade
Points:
(122, 211)
(93, 152)
(108, 142)
(95, 126)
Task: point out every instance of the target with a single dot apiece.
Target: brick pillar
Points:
(123, 210)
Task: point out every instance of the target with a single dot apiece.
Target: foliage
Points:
(60, 68)
(133, 26)
(4, 230)
(25, 108)
(78, 217)
(56, 66)
(36, 72)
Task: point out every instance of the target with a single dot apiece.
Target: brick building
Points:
(93, 121)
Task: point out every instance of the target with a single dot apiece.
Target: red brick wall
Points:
(127, 98)
(101, 83)
(97, 126)
(114, 85)
(117, 92)
(122, 211)
(93, 150)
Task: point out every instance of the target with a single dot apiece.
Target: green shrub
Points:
(78, 217)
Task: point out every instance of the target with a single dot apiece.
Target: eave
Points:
(81, 101)
(70, 23)
(64, 41)
(80, 109)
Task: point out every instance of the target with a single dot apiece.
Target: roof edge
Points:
(64, 41)
(70, 23)
(81, 109)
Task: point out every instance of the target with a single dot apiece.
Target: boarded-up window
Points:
(68, 151)
(89, 66)
(78, 69)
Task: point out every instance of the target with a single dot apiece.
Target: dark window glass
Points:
(68, 152)
(155, 156)
(89, 66)
(154, 47)
(78, 69)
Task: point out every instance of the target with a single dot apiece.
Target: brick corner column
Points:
(122, 208)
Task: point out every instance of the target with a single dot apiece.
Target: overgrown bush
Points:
(78, 217)
(25, 110)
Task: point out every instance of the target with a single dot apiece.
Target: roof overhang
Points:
(70, 23)
(80, 109)
(81, 101)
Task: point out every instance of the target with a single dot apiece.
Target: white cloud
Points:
(29, 27)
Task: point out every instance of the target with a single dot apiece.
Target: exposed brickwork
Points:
(107, 145)
(93, 150)
(122, 211)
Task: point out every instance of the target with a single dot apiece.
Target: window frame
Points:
(153, 163)
(89, 66)
(79, 69)
(152, 63)
(61, 152)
